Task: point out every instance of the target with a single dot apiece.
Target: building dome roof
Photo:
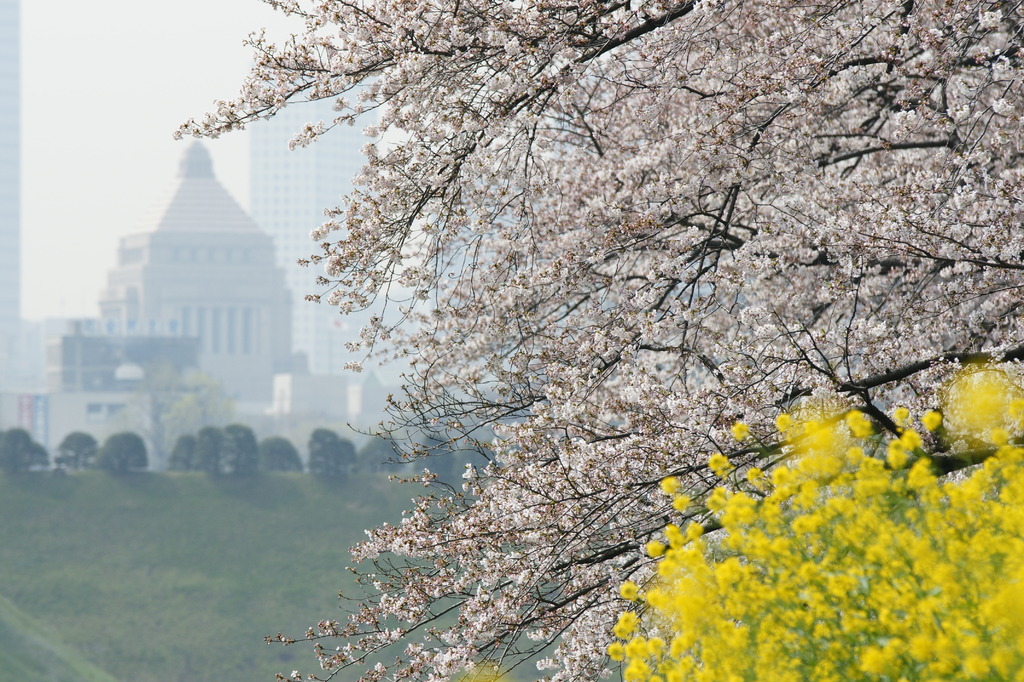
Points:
(196, 163)
(200, 203)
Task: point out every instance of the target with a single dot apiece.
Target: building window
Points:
(215, 330)
(232, 315)
(186, 321)
(257, 331)
(247, 331)
(201, 328)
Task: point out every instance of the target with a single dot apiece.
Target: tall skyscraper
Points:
(290, 190)
(10, 169)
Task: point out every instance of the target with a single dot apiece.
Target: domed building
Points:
(205, 270)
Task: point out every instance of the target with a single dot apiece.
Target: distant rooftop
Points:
(196, 163)
(200, 203)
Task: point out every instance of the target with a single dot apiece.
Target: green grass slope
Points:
(29, 651)
(178, 577)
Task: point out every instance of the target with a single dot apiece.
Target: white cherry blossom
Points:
(618, 227)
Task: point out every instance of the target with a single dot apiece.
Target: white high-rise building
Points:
(290, 191)
(10, 170)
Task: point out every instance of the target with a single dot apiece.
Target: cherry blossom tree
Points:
(602, 232)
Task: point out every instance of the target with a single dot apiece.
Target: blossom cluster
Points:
(852, 557)
(598, 233)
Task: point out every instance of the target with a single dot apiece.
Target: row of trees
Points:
(233, 450)
(120, 452)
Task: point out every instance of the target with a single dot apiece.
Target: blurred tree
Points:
(210, 450)
(240, 454)
(278, 454)
(167, 405)
(346, 455)
(18, 452)
(183, 454)
(77, 451)
(123, 452)
(201, 402)
(329, 454)
(376, 453)
(159, 389)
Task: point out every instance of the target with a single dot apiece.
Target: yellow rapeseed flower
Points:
(932, 420)
(655, 548)
(719, 465)
(980, 399)
(626, 624)
(636, 671)
(860, 426)
(921, 475)
(637, 647)
(843, 566)
(901, 416)
(674, 536)
(670, 485)
(911, 440)
(897, 454)
(693, 531)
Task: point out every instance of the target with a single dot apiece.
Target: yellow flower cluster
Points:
(983, 399)
(853, 566)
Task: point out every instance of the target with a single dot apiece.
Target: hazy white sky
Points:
(104, 85)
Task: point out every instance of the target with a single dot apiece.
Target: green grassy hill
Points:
(29, 651)
(178, 577)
